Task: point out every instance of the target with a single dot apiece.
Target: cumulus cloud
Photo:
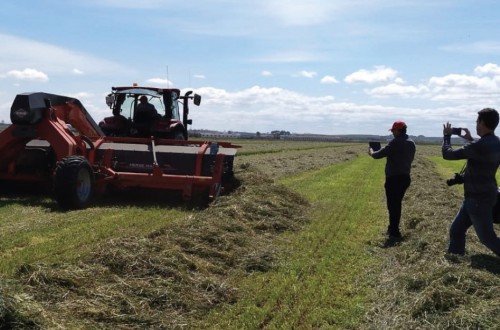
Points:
(487, 69)
(266, 109)
(378, 74)
(329, 80)
(28, 74)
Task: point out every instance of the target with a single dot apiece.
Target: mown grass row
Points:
(33, 230)
(322, 283)
(254, 260)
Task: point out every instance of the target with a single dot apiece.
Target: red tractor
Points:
(53, 142)
(148, 111)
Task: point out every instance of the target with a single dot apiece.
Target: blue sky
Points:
(316, 66)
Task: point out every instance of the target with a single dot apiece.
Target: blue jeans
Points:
(475, 212)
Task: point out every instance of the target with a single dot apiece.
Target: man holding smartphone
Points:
(480, 185)
(400, 153)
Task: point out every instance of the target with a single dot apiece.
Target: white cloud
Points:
(463, 81)
(379, 74)
(480, 47)
(299, 13)
(398, 90)
(266, 109)
(28, 74)
(487, 69)
(77, 71)
(329, 80)
(160, 81)
(49, 58)
(266, 73)
(199, 76)
(307, 74)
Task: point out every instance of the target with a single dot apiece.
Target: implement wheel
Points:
(73, 182)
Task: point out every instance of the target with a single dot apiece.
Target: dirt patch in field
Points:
(169, 278)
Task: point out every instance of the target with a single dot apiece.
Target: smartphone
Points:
(456, 131)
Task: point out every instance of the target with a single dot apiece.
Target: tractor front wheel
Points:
(73, 182)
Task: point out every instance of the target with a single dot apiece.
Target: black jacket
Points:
(400, 153)
(483, 159)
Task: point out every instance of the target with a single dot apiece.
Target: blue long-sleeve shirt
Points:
(483, 159)
(400, 153)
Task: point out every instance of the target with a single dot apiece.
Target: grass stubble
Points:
(175, 276)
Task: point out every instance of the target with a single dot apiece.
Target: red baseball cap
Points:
(398, 125)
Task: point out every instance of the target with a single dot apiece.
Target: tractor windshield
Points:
(165, 103)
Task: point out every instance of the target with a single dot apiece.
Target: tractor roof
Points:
(143, 90)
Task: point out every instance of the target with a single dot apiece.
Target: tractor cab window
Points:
(126, 106)
(174, 106)
(156, 101)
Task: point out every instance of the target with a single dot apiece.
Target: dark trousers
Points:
(474, 212)
(395, 189)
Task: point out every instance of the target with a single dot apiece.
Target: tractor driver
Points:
(145, 112)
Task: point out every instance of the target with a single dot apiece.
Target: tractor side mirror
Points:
(196, 99)
(110, 99)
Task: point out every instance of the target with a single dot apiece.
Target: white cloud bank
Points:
(27, 74)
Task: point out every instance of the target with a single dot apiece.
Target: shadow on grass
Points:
(141, 199)
(486, 262)
(42, 196)
(392, 242)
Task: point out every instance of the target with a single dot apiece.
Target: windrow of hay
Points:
(424, 288)
(172, 276)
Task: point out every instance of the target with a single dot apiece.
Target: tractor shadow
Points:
(42, 196)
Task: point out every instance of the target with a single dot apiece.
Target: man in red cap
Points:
(400, 153)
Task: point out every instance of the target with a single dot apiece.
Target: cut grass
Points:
(31, 231)
(256, 256)
(322, 281)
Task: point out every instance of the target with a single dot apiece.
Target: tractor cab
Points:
(147, 111)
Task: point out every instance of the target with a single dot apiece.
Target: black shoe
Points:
(394, 235)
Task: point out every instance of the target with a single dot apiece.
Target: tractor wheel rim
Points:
(84, 185)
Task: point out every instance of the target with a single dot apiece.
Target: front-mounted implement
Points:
(53, 142)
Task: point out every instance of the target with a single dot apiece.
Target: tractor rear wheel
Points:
(73, 182)
(178, 135)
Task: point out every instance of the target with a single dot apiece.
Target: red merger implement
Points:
(54, 142)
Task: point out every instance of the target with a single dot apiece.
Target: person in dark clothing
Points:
(400, 153)
(146, 112)
(480, 185)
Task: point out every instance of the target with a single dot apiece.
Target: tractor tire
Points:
(73, 182)
(178, 135)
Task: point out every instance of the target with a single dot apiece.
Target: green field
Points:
(298, 245)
